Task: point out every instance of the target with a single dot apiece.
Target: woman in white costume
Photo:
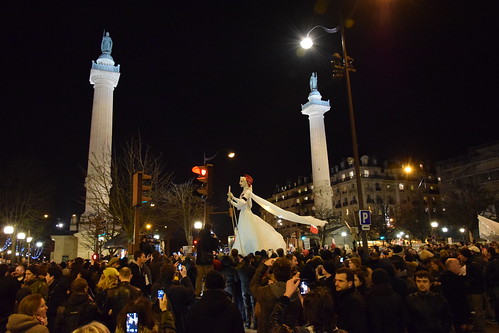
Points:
(253, 233)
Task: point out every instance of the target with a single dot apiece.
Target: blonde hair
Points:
(93, 327)
(107, 282)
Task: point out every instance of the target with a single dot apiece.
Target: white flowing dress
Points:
(253, 233)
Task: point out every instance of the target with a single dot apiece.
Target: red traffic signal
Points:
(195, 242)
(202, 171)
(95, 256)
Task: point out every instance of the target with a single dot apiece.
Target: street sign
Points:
(366, 227)
(364, 217)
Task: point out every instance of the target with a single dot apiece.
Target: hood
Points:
(214, 301)
(21, 323)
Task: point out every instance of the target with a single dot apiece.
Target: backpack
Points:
(71, 316)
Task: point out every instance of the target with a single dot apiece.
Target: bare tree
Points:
(181, 208)
(111, 211)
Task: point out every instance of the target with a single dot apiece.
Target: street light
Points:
(434, 224)
(21, 236)
(39, 244)
(198, 225)
(307, 43)
(8, 230)
(444, 229)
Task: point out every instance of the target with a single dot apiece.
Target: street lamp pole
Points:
(307, 43)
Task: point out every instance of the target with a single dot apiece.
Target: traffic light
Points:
(204, 181)
(338, 66)
(95, 256)
(138, 189)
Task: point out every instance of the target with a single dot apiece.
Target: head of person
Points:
(344, 279)
(318, 309)
(464, 254)
(125, 274)
(53, 272)
(109, 279)
(281, 268)
(292, 258)
(246, 180)
(114, 262)
(422, 279)
(453, 265)
(31, 273)
(140, 257)
(141, 306)
(167, 272)
(42, 270)
(354, 263)
(214, 280)
(19, 271)
(359, 278)
(93, 327)
(33, 305)
(280, 252)
(79, 286)
(397, 250)
(234, 253)
(380, 276)
(4, 269)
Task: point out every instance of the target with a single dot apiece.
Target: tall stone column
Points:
(104, 76)
(315, 110)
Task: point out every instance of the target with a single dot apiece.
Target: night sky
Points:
(206, 76)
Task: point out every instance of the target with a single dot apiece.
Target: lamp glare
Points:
(306, 43)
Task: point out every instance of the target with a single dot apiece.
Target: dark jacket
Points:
(58, 294)
(454, 291)
(116, 299)
(475, 278)
(8, 291)
(180, 296)
(429, 313)
(351, 310)
(207, 243)
(138, 277)
(244, 274)
(214, 313)
(154, 267)
(268, 295)
(77, 311)
(386, 311)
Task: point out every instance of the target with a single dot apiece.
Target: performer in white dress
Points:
(253, 233)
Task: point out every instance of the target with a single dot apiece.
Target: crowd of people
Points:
(435, 288)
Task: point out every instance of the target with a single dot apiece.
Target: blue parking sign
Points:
(365, 217)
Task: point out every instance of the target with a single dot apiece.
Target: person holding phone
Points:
(137, 317)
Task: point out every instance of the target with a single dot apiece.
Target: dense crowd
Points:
(435, 288)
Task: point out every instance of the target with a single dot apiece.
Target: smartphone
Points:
(304, 289)
(342, 259)
(179, 267)
(132, 322)
(161, 293)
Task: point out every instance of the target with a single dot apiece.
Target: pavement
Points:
(248, 330)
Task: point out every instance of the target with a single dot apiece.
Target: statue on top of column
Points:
(313, 81)
(107, 44)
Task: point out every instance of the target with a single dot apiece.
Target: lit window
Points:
(366, 173)
(387, 186)
(439, 179)
(311, 187)
(350, 174)
(306, 198)
(282, 197)
(401, 187)
(343, 176)
(298, 200)
(348, 212)
(431, 187)
(299, 190)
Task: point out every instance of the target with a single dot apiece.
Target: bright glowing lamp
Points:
(306, 43)
(198, 225)
(29, 239)
(444, 229)
(8, 230)
(344, 234)
(39, 244)
(407, 169)
(231, 154)
(434, 224)
(462, 230)
(21, 235)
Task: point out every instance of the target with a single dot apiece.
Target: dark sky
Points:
(203, 76)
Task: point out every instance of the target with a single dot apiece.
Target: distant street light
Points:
(39, 244)
(444, 229)
(29, 239)
(434, 224)
(46, 216)
(21, 235)
(462, 230)
(156, 237)
(198, 225)
(8, 230)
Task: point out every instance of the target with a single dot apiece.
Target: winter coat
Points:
(267, 296)
(8, 291)
(57, 295)
(351, 309)
(21, 323)
(454, 291)
(475, 278)
(214, 313)
(385, 310)
(429, 313)
(276, 324)
(244, 274)
(38, 286)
